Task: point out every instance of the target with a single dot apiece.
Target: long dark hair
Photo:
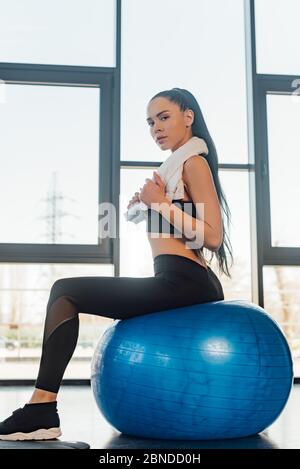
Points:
(186, 100)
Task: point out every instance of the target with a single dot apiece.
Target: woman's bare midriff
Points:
(172, 245)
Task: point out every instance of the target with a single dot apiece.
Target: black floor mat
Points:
(47, 444)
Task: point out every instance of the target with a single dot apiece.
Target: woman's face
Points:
(165, 119)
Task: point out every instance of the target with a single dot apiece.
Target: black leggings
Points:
(178, 282)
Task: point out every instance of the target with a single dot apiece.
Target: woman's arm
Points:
(200, 184)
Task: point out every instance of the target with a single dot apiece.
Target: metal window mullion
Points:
(116, 137)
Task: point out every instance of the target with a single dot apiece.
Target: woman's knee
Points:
(60, 287)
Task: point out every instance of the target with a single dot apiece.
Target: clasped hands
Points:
(153, 191)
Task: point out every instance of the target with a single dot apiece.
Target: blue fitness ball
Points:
(213, 370)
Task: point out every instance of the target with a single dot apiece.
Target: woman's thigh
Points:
(120, 297)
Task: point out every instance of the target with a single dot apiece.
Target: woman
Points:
(182, 275)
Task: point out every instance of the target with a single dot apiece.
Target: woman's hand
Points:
(134, 200)
(153, 191)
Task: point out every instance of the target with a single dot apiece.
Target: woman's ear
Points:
(188, 117)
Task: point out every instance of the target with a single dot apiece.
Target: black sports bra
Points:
(156, 223)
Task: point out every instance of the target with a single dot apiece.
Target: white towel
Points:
(171, 173)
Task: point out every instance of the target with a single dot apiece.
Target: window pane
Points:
(61, 33)
(239, 286)
(283, 117)
(135, 251)
(24, 293)
(202, 53)
(277, 36)
(136, 256)
(49, 151)
(282, 301)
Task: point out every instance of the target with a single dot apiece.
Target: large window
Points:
(59, 137)
(57, 150)
(24, 293)
(276, 106)
(283, 117)
(67, 32)
(277, 36)
(198, 45)
(211, 66)
(50, 149)
(70, 74)
(282, 300)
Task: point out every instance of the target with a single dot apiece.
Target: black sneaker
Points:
(32, 422)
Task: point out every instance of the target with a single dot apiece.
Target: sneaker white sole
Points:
(41, 434)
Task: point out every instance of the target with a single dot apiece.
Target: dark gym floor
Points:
(82, 421)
